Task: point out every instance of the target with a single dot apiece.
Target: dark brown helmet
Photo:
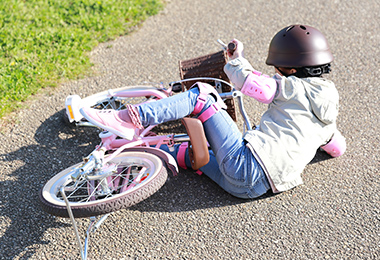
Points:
(299, 46)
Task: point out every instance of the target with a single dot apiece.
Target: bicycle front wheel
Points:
(137, 176)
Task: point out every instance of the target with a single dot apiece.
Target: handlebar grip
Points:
(231, 47)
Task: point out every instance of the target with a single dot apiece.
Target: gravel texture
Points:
(334, 215)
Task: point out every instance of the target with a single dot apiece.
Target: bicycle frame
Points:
(110, 141)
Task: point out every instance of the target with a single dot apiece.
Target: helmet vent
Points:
(303, 27)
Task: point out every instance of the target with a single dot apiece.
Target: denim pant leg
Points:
(232, 165)
(239, 172)
(168, 109)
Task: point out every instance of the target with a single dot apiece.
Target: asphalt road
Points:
(334, 215)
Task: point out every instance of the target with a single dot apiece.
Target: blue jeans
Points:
(232, 165)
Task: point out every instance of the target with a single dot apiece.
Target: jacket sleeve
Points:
(237, 71)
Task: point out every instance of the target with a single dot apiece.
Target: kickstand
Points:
(91, 228)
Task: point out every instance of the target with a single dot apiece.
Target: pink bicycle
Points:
(119, 173)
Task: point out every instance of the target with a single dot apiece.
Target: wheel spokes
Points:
(119, 103)
(126, 178)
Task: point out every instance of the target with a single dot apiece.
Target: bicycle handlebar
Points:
(230, 48)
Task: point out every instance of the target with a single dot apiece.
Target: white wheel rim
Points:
(151, 162)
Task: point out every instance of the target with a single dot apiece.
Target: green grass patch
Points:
(45, 41)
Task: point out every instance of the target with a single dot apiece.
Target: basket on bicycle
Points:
(210, 66)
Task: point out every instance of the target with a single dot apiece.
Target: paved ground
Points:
(334, 215)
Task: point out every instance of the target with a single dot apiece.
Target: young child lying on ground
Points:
(301, 116)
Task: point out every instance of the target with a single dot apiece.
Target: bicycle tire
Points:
(154, 178)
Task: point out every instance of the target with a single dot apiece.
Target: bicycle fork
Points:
(93, 162)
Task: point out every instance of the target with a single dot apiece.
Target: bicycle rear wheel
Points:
(138, 175)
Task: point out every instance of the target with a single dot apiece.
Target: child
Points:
(301, 116)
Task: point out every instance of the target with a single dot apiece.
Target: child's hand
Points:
(238, 52)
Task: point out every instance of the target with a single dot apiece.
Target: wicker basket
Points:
(211, 66)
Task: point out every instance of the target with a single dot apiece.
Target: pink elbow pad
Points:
(260, 87)
(337, 145)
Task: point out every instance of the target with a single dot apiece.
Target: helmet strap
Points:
(317, 71)
(306, 72)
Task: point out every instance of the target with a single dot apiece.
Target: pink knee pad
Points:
(337, 145)
(204, 90)
(181, 157)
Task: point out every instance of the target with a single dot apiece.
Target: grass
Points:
(43, 42)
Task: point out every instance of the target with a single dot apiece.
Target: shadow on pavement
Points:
(60, 146)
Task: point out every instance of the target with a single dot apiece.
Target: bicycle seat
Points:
(198, 148)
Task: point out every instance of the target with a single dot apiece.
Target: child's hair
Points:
(303, 48)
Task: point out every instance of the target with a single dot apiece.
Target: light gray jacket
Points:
(301, 118)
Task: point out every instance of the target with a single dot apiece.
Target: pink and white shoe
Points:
(336, 146)
(111, 120)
